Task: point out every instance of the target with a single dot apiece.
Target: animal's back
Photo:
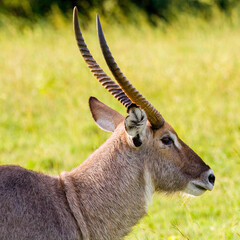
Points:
(33, 206)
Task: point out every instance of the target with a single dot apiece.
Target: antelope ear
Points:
(105, 117)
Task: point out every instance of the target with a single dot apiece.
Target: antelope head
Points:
(172, 165)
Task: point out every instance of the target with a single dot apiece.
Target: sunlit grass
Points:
(189, 72)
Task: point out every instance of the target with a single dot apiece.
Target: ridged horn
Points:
(154, 117)
(97, 71)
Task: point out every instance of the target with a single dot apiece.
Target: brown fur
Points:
(104, 196)
(33, 206)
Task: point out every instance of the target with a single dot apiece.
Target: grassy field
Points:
(189, 71)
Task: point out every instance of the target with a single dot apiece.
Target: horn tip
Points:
(98, 22)
(99, 27)
(75, 10)
(75, 18)
(75, 13)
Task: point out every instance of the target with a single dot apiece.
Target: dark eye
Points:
(167, 140)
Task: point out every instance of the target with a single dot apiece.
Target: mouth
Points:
(200, 187)
(197, 188)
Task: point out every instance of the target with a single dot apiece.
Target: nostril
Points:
(211, 178)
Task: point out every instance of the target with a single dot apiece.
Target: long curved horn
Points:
(154, 117)
(97, 71)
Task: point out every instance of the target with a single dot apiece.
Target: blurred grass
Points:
(189, 71)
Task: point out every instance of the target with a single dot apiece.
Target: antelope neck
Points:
(73, 205)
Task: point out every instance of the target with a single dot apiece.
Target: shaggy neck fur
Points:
(112, 188)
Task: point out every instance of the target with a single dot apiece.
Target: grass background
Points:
(189, 71)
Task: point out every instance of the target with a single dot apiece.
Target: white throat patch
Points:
(149, 188)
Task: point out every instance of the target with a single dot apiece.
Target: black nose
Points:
(211, 178)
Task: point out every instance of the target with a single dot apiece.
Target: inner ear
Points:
(135, 125)
(105, 117)
(137, 141)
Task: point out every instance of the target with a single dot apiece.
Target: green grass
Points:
(189, 71)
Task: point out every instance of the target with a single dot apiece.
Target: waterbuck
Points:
(108, 193)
